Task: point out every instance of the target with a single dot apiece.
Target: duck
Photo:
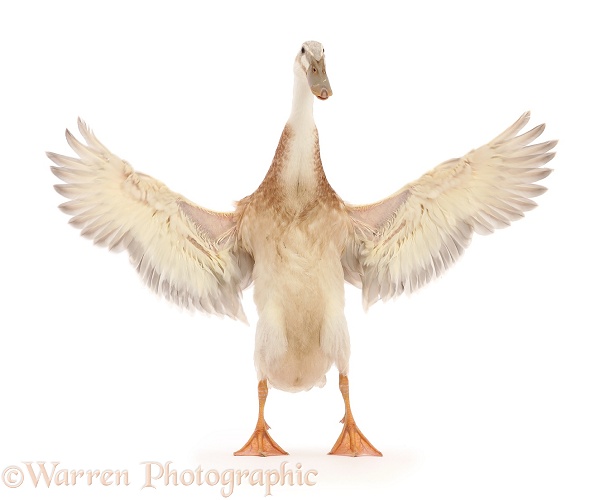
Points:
(297, 242)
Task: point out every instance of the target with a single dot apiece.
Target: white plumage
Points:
(186, 253)
(404, 241)
(298, 241)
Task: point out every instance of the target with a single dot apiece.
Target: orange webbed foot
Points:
(260, 444)
(353, 443)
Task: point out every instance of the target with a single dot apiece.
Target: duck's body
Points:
(296, 227)
(298, 241)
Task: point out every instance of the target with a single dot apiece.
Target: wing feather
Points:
(186, 253)
(406, 240)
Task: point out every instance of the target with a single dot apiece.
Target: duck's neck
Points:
(297, 165)
(301, 116)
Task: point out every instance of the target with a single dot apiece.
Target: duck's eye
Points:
(302, 50)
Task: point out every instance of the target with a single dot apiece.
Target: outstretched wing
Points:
(404, 241)
(182, 251)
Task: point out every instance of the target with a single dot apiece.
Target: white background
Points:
(496, 381)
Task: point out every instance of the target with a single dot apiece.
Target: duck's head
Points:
(310, 63)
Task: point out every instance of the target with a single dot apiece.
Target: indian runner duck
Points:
(298, 241)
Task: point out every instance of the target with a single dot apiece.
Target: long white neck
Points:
(301, 116)
(300, 172)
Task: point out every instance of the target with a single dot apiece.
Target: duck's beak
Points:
(318, 80)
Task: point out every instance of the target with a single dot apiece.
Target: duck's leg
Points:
(261, 444)
(351, 442)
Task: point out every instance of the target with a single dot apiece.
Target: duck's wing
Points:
(404, 241)
(186, 253)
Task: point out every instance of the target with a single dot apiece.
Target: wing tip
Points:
(524, 119)
(83, 128)
(69, 136)
(57, 171)
(548, 156)
(61, 190)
